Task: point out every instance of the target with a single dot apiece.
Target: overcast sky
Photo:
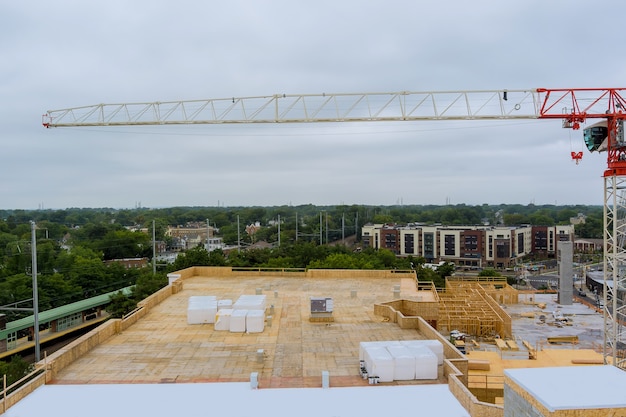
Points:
(61, 54)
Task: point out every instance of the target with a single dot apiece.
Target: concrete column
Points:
(566, 273)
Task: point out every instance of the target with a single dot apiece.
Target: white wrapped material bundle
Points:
(250, 302)
(201, 309)
(227, 304)
(425, 362)
(238, 321)
(364, 345)
(222, 319)
(403, 363)
(255, 321)
(434, 345)
(379, 363)
(202, 299)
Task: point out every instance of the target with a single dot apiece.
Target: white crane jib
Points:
(303, 108)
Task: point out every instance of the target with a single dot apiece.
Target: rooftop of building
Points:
(162, 347)
(162, 356)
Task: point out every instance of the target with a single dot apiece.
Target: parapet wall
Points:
(401, 311)
(474, 407)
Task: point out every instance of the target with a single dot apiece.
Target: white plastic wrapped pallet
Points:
(255, 321)
(202, 299)
(222, 319)
(364, 345)
(250, 302)
(434, 345)
(201, 309)
(379, 363)
(403, 363)
(238, 321)
(425, 362)
(228, 304)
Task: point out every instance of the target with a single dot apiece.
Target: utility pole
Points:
(238, 236)
(321, 229)
(153, 248)
(33, 228)
(279, 230)
(208, 234)
(326, 215)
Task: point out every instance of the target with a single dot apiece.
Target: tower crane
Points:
(573, 107)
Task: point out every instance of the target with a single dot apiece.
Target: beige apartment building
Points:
(468, 246)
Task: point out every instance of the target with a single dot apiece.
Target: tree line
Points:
(73, 244)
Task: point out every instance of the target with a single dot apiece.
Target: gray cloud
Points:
(70, 53)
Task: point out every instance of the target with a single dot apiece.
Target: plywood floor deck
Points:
(162, 347)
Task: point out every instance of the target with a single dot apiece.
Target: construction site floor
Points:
(162, 347)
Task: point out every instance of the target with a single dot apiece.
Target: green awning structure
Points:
(60, 312)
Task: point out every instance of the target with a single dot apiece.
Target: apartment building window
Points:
(541, 240)
(502, 249)
(390, 241)
(470, 243)
(449, 245)
(520, 243)
(429, 245)
(409, 243)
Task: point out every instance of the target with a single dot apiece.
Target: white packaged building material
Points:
(202, 299)
(255, 321)
(201, 309)
(222, 319)
(238, 321)
(379, 363)
(250, 302)
(411, 359)
(434, 345)
(364, 345)
(403, 363)
(425, 362)
(228, 304)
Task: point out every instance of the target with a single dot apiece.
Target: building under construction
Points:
(169, 356)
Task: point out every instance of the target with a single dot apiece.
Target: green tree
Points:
(217, 258)
(336, 261)
(148, 283)
(427, 274)
(119, 244)
(445, 270)
(197, 256)
(15, 369)
(90, 275)
(120, 304)
(386, 257)
(54, 291)
(489, 272)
